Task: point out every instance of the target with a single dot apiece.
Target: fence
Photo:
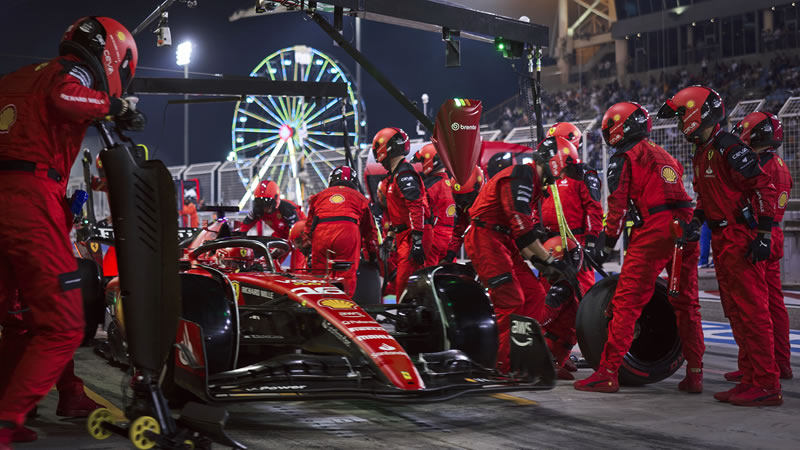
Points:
(205, 174)
(232, 181)
(790, 150)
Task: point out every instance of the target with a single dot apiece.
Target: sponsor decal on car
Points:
(323, 290)
(336, 333)
(351, 314)
(386, 347)
(296, 387)
(405, 374)
(380, 354)
(368, 337)
(336, 303)
(352, 322)
(524, 328)
(302, 282)
(366, 329)
(248, 290)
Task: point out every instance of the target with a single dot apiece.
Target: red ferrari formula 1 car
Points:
(259, 333)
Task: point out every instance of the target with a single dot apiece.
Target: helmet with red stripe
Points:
(760, 129)
(388, 143)
(343, 176)
(107, 48)
(625, 122)
(554, 154)
(697, 108)
(266, 197)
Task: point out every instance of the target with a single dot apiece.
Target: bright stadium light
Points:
(184, 53)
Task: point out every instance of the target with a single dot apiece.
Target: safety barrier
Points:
(790, 150)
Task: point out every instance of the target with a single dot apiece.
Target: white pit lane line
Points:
(719, 333)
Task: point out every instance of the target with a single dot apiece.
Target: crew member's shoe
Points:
(756, 396)
(726, 395)
(6, 434)
(23, 434)
(602, 380)
(562, 373)
(570, 366)
(786, 370)
(693, 382)
(736, 375)
(73, 402)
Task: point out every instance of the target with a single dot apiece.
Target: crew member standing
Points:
(464, 196)
(727, 176)
(338, 218)
(269, 208)
(45, 110)
(440, 199)
(642, 176)
(406, 204)
(763, 132)
(502, 236)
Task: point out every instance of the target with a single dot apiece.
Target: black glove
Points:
(386, 248)
(417, 252)
(591, 242)
(603, 248)
(555, 269)
(132, 121)
(691, 230)
(448, 257)
(759, 248)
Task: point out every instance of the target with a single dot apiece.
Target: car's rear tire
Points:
(655, 353)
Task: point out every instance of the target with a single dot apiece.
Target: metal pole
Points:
(186, 120)
(358, 47)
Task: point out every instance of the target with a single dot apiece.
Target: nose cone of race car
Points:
(457, 136)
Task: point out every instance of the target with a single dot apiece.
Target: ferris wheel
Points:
(296, 141)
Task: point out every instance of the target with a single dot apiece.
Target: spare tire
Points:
(655, 353)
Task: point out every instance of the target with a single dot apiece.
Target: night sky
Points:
(413, 60)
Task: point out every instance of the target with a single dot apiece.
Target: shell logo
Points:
(335, 303)
(428, 156)
(565, 151)
(8, 115)
(669, 175)
(336, 199)
(451, 211)
(616, 118)
(120, 35)
(746, 125)
(783, 199)
(690, 104)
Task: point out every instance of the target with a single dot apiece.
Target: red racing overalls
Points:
(45, 110)
(645, 173)
(443, 209)
(772, 164)
(406, 209)
(280, 220)
(726, 175)
(502, 224)
(338, 219)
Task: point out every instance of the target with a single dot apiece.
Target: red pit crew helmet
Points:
(625, 122)
(107, 48)
(554, 153)
(388, 143)
(697, 108)
(760, 129)
(568, 131)
(429, 158)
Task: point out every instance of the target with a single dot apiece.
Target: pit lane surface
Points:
(655, 416)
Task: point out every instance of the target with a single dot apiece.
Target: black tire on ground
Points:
(93, 295)
(655, 353)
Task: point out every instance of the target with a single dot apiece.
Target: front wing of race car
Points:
(446, 375)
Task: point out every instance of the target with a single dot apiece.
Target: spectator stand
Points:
(490, 135)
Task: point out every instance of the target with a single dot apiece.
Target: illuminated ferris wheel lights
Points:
(239, 140)
(243, 119)
(287, 62)
(318, 62)
(285, 132)
(231, 156)
(363, 123)
(249, 99)
(273, 71)
(333, 70)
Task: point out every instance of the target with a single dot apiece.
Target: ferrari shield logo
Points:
(94, 246)
(243, 252)
(236, 289)
(710, 154)
(405, 375)
(669, 175)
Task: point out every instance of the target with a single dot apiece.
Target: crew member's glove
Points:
(448, 257)
(691, 230)
(553, 269)
(417, 252)
(759, 248)
(386, 248)
(603, 248)
(591, 242)
(129, 118)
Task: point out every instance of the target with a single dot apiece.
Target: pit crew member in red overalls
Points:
(502, 237)
(737, 199)
(643, 174)
(579, 189)
(464, 196)
(45, 110)
(387, 253)
(268, 207)
(763, 132)
(300, 249)
(440, 199)
(338, 218)
(498, 162)
(406, 204)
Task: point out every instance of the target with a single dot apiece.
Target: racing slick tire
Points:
(368, 284)
(655, 353)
